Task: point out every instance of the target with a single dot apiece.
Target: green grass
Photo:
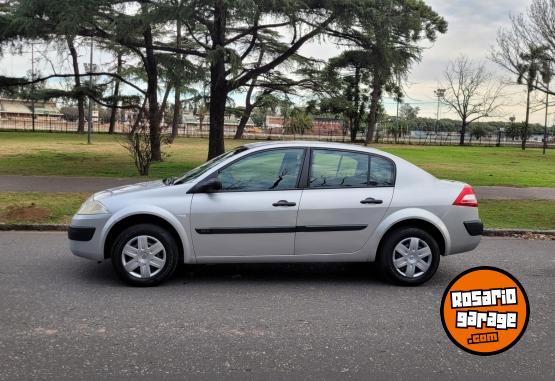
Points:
(69, 155)
(32, 207)
(518, 214)
(509, 166)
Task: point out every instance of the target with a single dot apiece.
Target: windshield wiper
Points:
(169, 180)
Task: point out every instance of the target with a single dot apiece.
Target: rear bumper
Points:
(464, 227)
(474, 228)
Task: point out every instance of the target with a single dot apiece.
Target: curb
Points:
(487, 232)
(33, 227)
(516, 232)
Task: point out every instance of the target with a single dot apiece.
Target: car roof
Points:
(319, 144)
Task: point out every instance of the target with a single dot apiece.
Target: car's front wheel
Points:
(145, 255)
(409, 256)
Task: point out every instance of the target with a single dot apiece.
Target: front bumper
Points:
(86, 236)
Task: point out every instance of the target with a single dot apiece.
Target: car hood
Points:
(127, 189)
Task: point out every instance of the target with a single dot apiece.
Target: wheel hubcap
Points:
(412, 257)
(143, 256)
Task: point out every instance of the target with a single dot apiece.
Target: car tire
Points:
(408, 256)
(145, 255)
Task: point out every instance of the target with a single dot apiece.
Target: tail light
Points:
(467, 197)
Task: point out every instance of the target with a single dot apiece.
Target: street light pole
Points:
(440, 93)
(546, 115)
(33, 85)
(89, 129)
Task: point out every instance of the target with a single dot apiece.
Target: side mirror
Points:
(208, 186)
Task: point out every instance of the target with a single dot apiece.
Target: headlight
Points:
(92, 206)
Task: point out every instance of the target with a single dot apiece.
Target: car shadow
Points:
(103, 273)
(255, 273)
(280, 272)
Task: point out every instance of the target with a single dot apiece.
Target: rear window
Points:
(338, 169)
(382, 172)
(348, 169)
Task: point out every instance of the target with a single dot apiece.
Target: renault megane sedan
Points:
(282, 202)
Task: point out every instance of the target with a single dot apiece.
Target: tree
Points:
(342, 89)
(527, 50)
(390, 32)
(409, 112)
(115, 101)
(70, 39)
(535, 65)
(226, 34)
(298, 122)
(529, 62)
(471, 91)
(133, 28)
(478, 131)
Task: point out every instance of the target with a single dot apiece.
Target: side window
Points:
(336, 169)
(267, 170)
(382, 172)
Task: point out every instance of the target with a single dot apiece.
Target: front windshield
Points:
(201, 169)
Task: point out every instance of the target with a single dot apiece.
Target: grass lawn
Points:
(69, 155)
(32, 207)
(523, 214)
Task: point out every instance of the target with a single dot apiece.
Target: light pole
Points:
(439, 93)
(33, 85)
(91, 69)
(512, 119)
(500, 130)
(546, 114)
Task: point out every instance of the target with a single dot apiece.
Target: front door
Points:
(255, 212)
(348, 195)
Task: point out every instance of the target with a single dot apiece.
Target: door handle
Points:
(371, 200)
(284, 203)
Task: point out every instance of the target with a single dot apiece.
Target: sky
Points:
(473, 26)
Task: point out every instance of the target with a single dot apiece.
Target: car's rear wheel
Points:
(409, 256)
(145, 255)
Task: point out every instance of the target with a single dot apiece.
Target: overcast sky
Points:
(473, 25)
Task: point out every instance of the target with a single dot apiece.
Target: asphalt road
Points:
(63, 317)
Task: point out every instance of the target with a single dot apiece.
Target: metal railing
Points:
(194, 131)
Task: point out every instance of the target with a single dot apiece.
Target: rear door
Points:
(348, 195)
(255, 212)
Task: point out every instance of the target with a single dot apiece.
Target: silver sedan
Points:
(282, 202)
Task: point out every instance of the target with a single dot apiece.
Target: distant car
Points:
(282, 202)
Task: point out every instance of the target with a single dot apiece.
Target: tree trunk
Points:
(80, 98)
(243, 122)
(373, 116)
(356, 100)
(114, 111)
(152, 96)
(463, 132)
(177, 99)
(218, 83)
(247, 113)
(524, 134)
(176, 114)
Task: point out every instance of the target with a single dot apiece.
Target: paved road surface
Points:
(93, 184)
(63, 317)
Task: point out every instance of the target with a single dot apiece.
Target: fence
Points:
(194, 131)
